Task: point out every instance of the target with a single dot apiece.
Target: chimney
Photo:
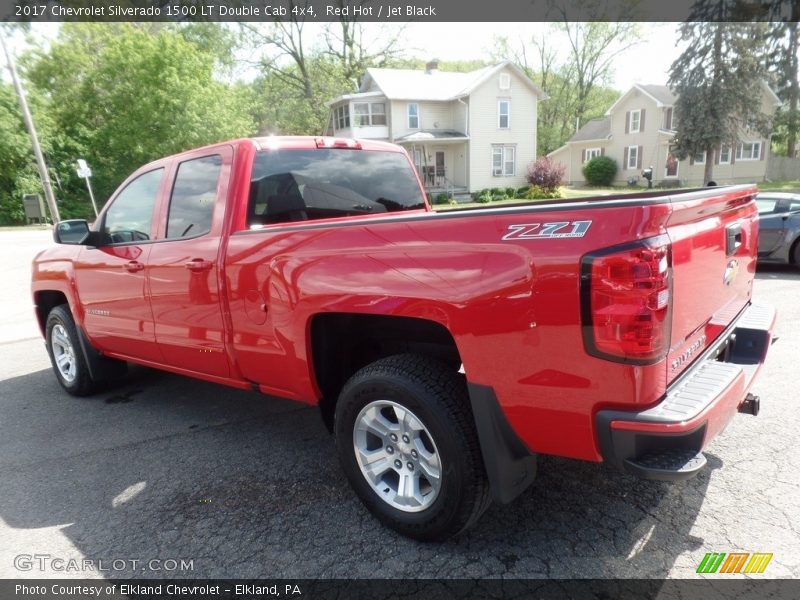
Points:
(432, 67)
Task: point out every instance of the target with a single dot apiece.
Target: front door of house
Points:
(440, 171)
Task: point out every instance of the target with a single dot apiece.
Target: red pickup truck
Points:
(444, 350)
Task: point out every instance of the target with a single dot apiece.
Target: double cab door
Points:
(152, 290)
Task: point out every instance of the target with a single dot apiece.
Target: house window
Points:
(748, 151)
(378, 113)
(668, 119)
(505, 81)
(592, 153)
(699, 158)
(342, 117)
(369, 114)
(503, 114)
(503, 161)
(635, 121)
(725, 155)
(633, 157)
(413, 115)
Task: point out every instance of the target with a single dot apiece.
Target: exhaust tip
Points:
(751, 405)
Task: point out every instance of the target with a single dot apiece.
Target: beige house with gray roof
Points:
(464, 131)
(637, 132)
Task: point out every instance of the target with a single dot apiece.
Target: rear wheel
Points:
(407, 443)
(63, 346)
(795, 258)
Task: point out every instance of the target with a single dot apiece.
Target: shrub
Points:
(600, 170)
(537, 193)
(484, 197)
(510, 192)
(522, 192)
(546, 174)
(497, 191)
(441, 198)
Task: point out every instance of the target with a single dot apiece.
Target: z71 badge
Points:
(541, 231)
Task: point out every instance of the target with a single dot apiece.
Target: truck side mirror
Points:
(73, 231)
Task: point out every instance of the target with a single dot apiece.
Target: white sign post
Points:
(84, 172)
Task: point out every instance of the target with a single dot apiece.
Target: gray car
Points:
(779, 227)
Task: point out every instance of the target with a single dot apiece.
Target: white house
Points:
(637, 131)
(464, 131)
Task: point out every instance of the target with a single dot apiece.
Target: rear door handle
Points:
(133, 266)
(199, 264)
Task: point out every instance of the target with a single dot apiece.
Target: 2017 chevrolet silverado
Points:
(445, 350)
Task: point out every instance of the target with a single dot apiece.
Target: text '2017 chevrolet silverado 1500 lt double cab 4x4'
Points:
(445, 350)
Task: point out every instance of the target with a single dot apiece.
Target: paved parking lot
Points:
(168, 468)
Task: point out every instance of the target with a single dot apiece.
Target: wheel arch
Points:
(342, 343)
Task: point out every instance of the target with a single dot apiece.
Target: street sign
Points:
(83, 170)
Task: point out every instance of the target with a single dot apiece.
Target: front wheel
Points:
(407, 443)
(63, 346)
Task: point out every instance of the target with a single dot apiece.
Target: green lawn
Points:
(775, 186)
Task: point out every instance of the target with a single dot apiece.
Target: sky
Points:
(647, 62)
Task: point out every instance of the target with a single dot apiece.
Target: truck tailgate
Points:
(714, 235)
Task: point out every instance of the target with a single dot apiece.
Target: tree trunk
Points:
(708, 172)
(794, 92)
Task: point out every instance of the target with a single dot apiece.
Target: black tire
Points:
(81, 384)
(437, 397)
(794, 258)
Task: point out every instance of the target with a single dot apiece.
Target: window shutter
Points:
(668, 119)
(627, 122)
(625, 160)
(639, 154)
(583, 155)
(763, 144)
(641, 121)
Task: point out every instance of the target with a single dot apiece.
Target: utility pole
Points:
(37, 151)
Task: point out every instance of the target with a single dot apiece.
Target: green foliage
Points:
(522, 191)
(132, 93)
(600, 170)
(537, 193)
(484, 197)
(510, 192)
(441, 198)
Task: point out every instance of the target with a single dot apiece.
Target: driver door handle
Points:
(133, 266)
(199, 264)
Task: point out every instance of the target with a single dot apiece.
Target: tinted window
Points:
(295, 185)
(130, 216)
(193, 196)
(766, 205)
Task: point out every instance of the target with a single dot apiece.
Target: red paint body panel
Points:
(512, 306)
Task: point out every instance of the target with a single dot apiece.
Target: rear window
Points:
(298, 185)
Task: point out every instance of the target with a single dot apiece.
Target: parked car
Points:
(444, 350)
(779, 227)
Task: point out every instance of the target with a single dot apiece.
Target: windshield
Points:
(297, 185)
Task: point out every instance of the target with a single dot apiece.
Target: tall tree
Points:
(569, 103)
(783, 62)
(123, 94)
(593, 48)
(718, 81)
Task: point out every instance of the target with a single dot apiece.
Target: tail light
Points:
(346, 143)
(626, 294)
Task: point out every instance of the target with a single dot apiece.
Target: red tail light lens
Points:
(625, 296)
